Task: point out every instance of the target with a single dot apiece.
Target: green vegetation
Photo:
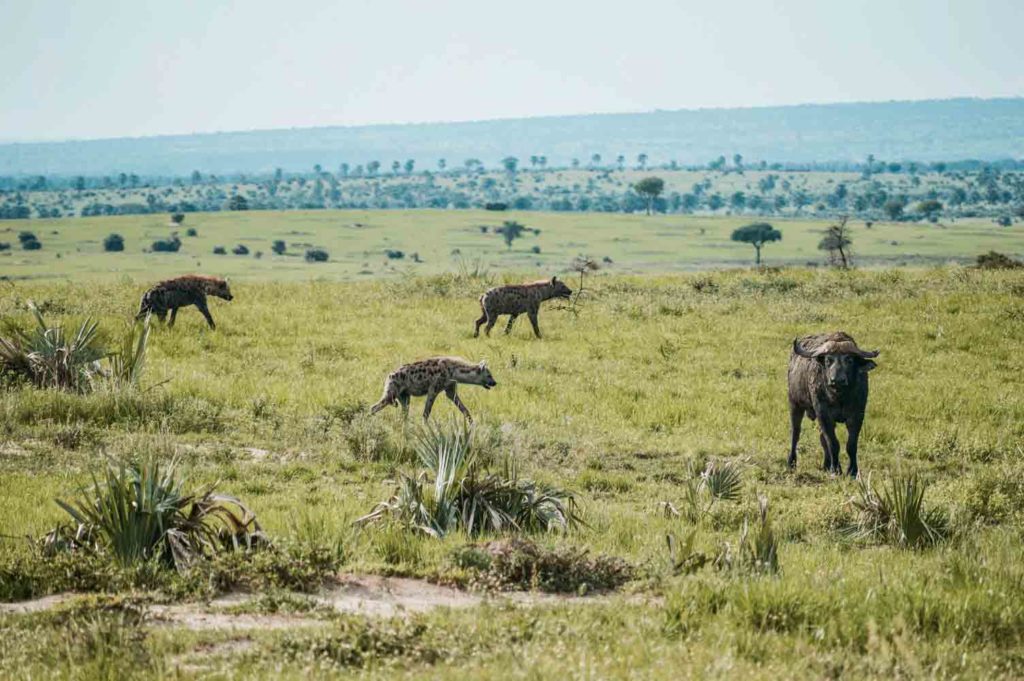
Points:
(650, 387)
(757, 235)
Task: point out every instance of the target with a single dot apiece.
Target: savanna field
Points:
(654, 408)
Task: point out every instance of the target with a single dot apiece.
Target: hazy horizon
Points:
(107, 70)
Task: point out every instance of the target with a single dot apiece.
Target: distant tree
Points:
(510, 163)
(939, 167)
(650, 188)
(757, 235)
(317, 255)
(473, 164)
(278, 174)
(122, 179)
(620, 161)
(279, 247)
(177, 218)
(894, 208)
(715, 201)
(717, 164)
(738, 201)
(240, 249)
(894, 167)
(372, 168)
(197, 177)
(113, 243)
(238, 202)
(542, 161)
(318, 170)
(929, 207)
(836, 243)
(510, 230)
(29, 241)
(442, 164)
(737, 161)
(395, 167)
(595, 160)
(575, 163)
(534, 160)
(409, 165)
(219, 250)
(172, 245)
(641, 161)
(79, 183)
(343, 170)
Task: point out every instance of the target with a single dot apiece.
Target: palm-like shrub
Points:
(897, 514)
(49, 357)
(455, 491)
(141, 512)
(719, 481)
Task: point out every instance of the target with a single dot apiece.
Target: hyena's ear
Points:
(483, 364)
(554, 280)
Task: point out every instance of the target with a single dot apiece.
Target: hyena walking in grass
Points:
(431, 377)
(516, 300)
(190, 289)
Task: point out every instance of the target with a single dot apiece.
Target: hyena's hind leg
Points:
(480, 322)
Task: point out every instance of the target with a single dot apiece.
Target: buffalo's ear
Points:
(867, 365)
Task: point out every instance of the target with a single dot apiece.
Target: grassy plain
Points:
(651, 374)
(449, 241)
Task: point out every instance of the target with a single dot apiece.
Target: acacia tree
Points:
(650, 188)
(837, 243)
(757, 235)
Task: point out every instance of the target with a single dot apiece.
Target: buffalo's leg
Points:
(851, 446)
(830, 443)
(796, 417)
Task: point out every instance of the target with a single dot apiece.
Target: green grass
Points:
(655, 376)
(72, 248)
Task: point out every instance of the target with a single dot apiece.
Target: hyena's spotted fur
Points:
(190, 289)
(516, 300)
(431, 377)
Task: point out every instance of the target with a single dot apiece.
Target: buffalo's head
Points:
(840, 357)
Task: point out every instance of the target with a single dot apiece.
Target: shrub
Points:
(521, 564)
(317, 255)
(191, 231)
(454, 491)
(139, 512)
(24, 236)
(997, 261)
(5, 246)
(172, 245)
(897, 515)
(219, 250)
(48, 358)
(178, 218)
(495, 205)
(31, 245)
(279, 247)
(240, 249)
(113, 243)
(535, 249)
(394, 254)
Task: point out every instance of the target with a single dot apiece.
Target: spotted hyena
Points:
(191, 289)
(431, 377)
(516, 300)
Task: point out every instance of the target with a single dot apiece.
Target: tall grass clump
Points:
(141, 512)
(896, 514)
(759, 548)
(455, 491)
(719, 481)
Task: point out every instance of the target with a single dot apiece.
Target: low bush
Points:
(240, 249)
(394, 254)
(518, 564)
(316, 255)
(279, 247)
(896, 515)
(997, 261)
(219, 250)
(113, 243)
(171, 245)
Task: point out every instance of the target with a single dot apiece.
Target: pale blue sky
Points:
(110, 68)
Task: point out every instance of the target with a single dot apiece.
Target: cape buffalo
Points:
(828, 381)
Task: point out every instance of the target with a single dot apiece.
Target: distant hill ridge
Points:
(933, 130)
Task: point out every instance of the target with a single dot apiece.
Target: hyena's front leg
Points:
(533, 321)
(480, 322)
(174, 315)
(431, 396)
(511, 321)
(492, 319)
(403, 400)
(201, 304)
(454, 397)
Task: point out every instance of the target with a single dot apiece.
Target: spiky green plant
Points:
(760, 549)
(723, 479)
(48, 357)
(453, 491)
(140, 512)
(897, 514)
(127, 363)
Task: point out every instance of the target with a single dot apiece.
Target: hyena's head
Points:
(478, 374)
(219, 288)
(560, 289)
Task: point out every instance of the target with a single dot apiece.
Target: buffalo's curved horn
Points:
(798, 349)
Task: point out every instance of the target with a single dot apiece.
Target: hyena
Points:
(190, 289)
(518, 299)
(431, 377)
